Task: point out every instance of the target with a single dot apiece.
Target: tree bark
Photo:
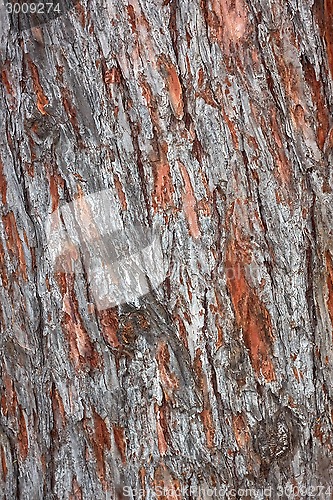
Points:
(212, 120)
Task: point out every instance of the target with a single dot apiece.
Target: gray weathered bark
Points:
(213, 120)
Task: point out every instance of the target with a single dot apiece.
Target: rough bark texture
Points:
(213, 119)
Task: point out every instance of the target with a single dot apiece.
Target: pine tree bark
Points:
(212, 119)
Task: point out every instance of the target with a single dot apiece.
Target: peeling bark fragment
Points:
(318, 98)
(228, 20)
(327, 27)
(173, 86)
(131, 17)
(55, 182)
(3, 185)
(99, 436)
(109, 322)
(8, 398)
(162, 444)
(120, 192)
(119, 437)
(81, 350)
(169, 379)
(3, 464)
(251, 314)
(22, 436)
(58, 409)
(6, 83)
(190, 203)
(42, 100)
(70, 111)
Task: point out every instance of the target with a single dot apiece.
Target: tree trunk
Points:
(208, 121)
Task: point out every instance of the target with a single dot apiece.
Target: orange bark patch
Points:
(208, 423)
(9, 398)
(81, 349)
(318, 98)
(169, 380)
(228, 21)
(42, 100)
(198, 152)
(161, 428)
(3, 463)
(201, 78)
(5, 81)
(76, 491)
(131, 17)
(121, 194)
(14, 243)
(198, 369)
(119, 437)
(162, 445)
(190, 203)
(58, 408)
(241, 430)
(100, 441)
(81, 14)
(55, 181)
(151, 101)
(219, 340)
(3, 185)
(146, 92)
(112, 75)
(22, 435)
(231, 128)
(296, 374)
(70, 110)
(329, 281)
(128, 334)
(109, 322)
(328, 32)
(173, 85)
(282, 171)
(251, 314)
(175, 92)
(318, 432)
